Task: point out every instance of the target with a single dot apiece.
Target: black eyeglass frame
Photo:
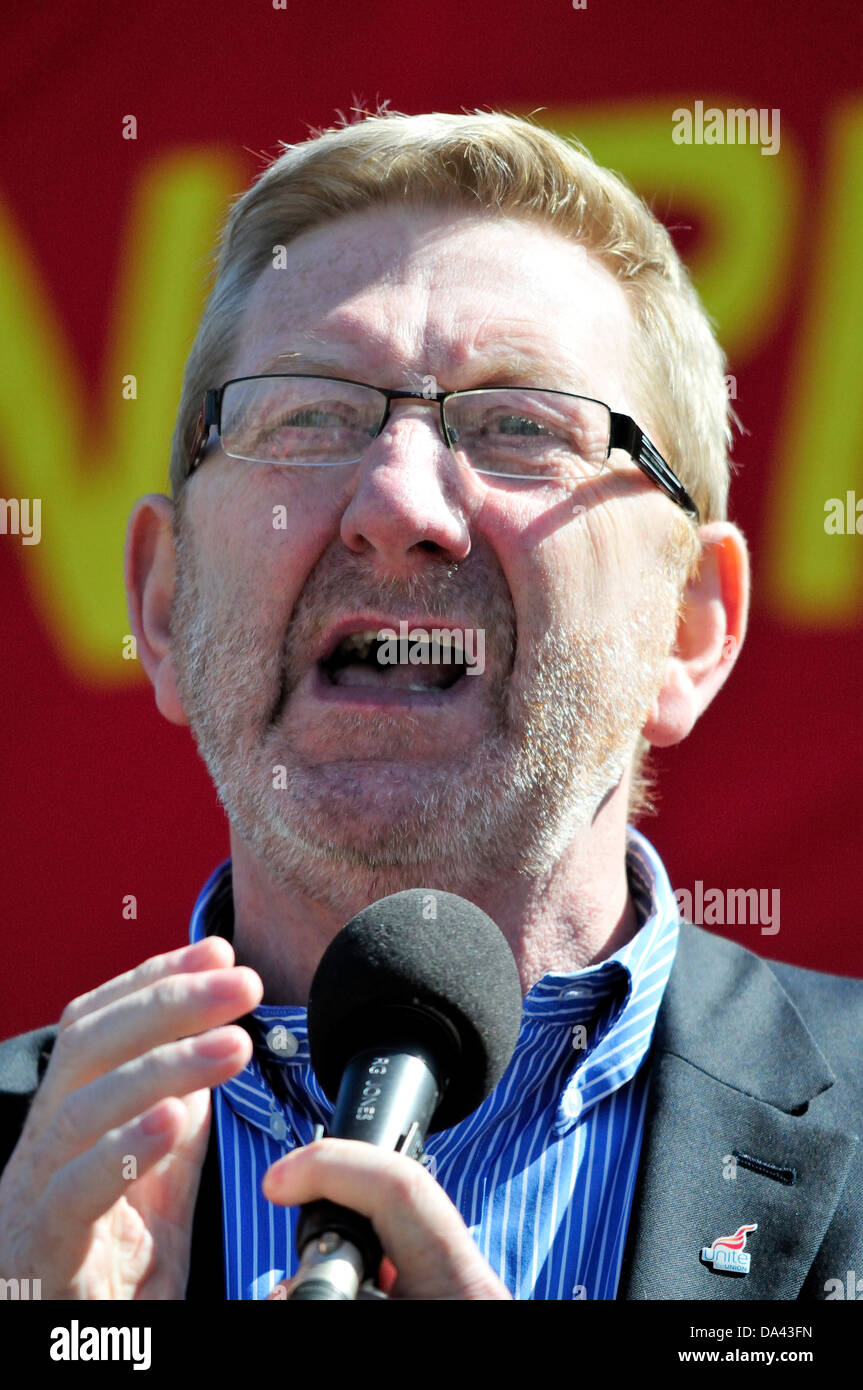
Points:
(624, 432)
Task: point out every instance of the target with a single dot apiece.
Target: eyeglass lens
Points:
(512, 431)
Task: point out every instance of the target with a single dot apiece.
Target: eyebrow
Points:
(304, 361)
(504, 366)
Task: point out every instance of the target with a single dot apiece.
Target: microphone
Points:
(413, 1015)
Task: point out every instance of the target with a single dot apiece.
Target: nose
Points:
(411, 496)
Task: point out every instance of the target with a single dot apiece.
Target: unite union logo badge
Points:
(727, 1253)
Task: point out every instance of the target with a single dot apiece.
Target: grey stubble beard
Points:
(559, 743)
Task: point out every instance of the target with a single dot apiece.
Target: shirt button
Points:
(282, 1042)
(572, 1104)
(278, 1127)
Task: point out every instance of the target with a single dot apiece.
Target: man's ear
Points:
(148, 570)
(710, 634)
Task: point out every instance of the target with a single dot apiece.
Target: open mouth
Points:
(364, 660)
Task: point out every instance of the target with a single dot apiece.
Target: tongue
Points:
(398, 677)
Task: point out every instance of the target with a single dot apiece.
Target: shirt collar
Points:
(609, 1009)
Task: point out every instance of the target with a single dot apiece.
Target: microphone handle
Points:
(386, 1098)
(331, 1270)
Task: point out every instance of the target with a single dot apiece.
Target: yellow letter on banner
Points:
(748, 206)
(814, 575)
(89, 472)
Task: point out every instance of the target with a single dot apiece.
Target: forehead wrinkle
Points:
(382, 328)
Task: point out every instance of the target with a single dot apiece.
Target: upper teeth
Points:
(361, 642)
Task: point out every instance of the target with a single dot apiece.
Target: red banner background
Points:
(103, 799)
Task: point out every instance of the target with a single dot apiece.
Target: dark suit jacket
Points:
(756, 1070)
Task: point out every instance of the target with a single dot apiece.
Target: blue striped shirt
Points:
(542, 1173)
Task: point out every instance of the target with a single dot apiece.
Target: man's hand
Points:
(429, 1252)
(98, 1197)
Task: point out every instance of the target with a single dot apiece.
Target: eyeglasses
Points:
(500, 431)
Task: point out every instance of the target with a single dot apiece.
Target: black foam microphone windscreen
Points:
(426, 967)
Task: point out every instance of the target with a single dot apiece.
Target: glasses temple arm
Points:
(208, 417)
(626, 434)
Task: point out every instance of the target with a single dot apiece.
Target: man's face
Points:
(344, 781)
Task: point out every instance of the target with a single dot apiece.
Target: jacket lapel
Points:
(733, 1071)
